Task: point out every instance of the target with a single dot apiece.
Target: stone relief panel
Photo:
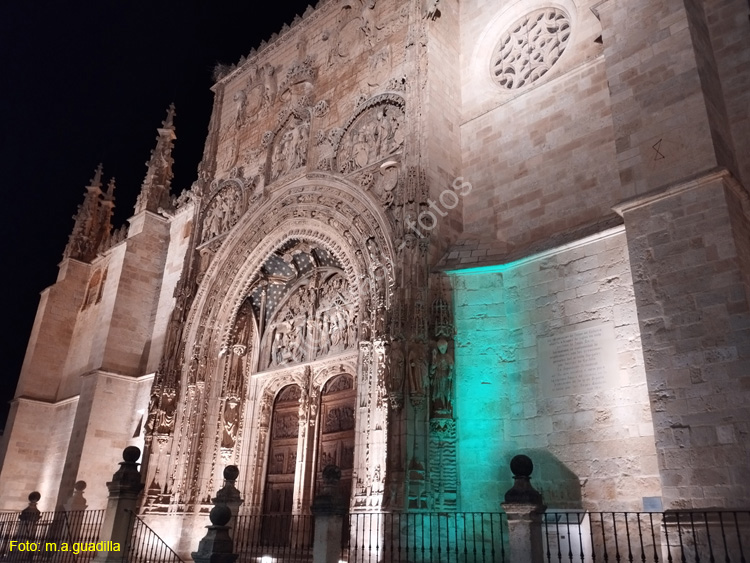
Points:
(290, 147)
(319, 318)
(223, 211)
(530, 47)
(375, 134)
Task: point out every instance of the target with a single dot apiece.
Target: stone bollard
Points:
(525, 507)
(29, 518)
(124, 489)
(77, 502)
(75, 507)
(229, 495)
(329, 511)
(216, 546)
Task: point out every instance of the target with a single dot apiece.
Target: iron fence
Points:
(671, 537)
(146, 546)
(462, 537)
(275, 537)
(64, 537)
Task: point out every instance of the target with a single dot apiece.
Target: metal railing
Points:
(671, 537)
(279, 537)
(54, 536)
(462, 537)
(146, 546)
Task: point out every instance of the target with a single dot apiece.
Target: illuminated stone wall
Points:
(591, 437)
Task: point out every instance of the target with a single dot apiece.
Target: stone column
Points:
(124, 489)
(328, 510)
(525, 507)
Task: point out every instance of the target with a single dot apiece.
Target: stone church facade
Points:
(423, 238)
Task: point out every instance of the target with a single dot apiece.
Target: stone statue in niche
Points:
(441, 377)
(376, 134)
(417, 372)
(290, 152)
(231, 422)
(164, 414)
(395, 381)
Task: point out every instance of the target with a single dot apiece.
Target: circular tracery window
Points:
(529, 48)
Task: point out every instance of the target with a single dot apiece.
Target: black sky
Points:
(89, 82)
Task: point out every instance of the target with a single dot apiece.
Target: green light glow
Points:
(489, 381)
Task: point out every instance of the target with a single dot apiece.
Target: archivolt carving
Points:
(253, 240)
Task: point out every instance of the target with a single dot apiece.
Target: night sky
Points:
(89, 82)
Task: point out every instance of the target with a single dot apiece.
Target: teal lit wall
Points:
(487, 384)
(592, 449)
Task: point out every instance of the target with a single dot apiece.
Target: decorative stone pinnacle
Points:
(109, 196)
(168, 123)
(96, 181)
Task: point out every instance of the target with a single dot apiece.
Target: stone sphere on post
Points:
(521, 466)
(231, 472)
(522, 492)
(220, 515)
(131, 454)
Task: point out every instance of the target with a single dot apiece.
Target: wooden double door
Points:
(331, 443)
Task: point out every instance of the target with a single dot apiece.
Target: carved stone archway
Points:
(227, 389)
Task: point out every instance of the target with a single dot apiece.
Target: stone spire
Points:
(92, 221)
(155, 189)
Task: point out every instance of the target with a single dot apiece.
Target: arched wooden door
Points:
(337, 430)
(282, 458)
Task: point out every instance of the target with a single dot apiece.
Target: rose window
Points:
(529, 48)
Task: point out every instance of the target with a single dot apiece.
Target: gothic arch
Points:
(322, 211)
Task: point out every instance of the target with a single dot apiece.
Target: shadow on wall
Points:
(560, 487)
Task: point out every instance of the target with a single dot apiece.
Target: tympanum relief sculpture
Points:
(376, 134)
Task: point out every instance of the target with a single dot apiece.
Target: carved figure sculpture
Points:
(418, 372)
(231, 422)
(441, 376)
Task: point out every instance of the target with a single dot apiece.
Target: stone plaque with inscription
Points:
(582, 359)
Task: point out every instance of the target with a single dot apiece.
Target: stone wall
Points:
(540, 156)
(35, 446)
(688, 246)
(592, 448)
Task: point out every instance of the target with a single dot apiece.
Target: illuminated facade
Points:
(423, 238)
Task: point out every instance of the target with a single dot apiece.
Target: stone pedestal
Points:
(525, 507)
(124, 489)
(216, 546)
(229, 495)
(328, 510)
(29, 518)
